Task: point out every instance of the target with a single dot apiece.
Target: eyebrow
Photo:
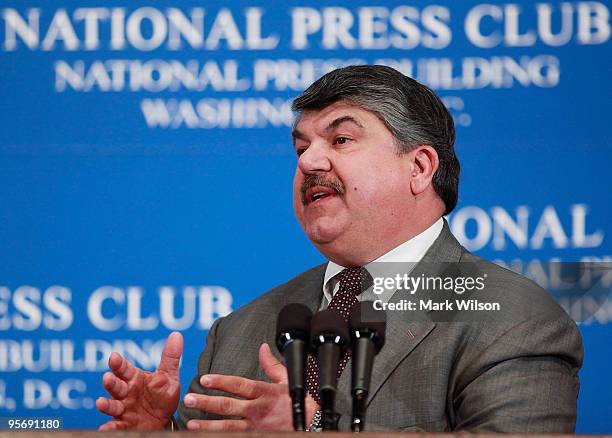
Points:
(343, 119)
(296, 133)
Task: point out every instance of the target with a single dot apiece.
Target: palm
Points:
(142, 400)
(152, 399)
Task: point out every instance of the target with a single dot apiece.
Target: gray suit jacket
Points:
(513, 373)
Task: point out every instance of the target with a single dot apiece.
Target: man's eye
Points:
(341, 140)
(300, 151)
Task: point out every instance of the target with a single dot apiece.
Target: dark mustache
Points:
(311, 181)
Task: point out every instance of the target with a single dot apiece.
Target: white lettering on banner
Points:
(593, 23)
(404, 27)
(215, 301)
(224, 27)
(135, 319)
(516, 231)
(584, 294)
(15, 24)
(367, 28)
(39, 394)
(117, 30)
(216, 113)
(254, 32)
(56, 300)
(29, 315)
(477, 72)
(90, 355)
(495, 227)
(91, 18)
(192, 29)
(65, 392)
(590, 275)
(109, 308)
(154, 75)
(167, 305)
(27, 308)
(157, 23)
(7, 403)
(60, 29)
(157, 75)
(579, 237)
(169, 28)
(370, 27)
(294, 75)
(549, 226)
(508, 20)
(94, 308)
(545, 20)
(127, 310)
(145, 354)
(5, 320)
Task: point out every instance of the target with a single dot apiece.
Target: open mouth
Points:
(318, 194)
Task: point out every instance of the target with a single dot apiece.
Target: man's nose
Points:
(315, 159)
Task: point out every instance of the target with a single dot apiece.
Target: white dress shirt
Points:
(408, 254)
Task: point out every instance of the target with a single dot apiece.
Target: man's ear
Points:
(424, 165)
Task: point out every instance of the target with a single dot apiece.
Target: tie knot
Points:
(354, 280)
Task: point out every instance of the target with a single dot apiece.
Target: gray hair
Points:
(413, 113)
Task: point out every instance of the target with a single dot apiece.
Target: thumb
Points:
(275, 370)
(171, 356)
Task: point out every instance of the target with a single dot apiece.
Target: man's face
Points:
(351, 190)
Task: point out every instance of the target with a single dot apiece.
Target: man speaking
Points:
(376, 172)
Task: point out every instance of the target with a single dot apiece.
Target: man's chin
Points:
(322, 235)
(332, 244)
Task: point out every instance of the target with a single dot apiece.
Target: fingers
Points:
(240, 386)
(114, 408)
(121, 367)
(116, 387)
(219, 425)
(113, 425)
(275, 370)
(107, 426)
(217, 404)
(171, 356)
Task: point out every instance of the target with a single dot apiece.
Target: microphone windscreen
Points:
(329, 321)
(294, 318)
(364, 316)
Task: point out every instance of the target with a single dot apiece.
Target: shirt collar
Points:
(412, 250)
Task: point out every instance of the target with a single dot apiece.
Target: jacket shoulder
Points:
(520, 296)
(305, 288)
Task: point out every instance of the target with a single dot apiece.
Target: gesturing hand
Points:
(142, 400)
(263, 406)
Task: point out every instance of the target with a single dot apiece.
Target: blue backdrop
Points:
(146, 165)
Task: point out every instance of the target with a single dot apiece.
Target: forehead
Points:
(323, 119)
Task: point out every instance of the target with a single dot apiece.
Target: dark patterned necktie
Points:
(352, 282)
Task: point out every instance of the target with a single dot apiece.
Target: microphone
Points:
(367, 329)
(330, 339)
(292, 339)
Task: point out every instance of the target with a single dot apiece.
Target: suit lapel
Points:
(405, 330)
(309, 292)
(402, 337)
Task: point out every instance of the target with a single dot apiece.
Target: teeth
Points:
(318, 195)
